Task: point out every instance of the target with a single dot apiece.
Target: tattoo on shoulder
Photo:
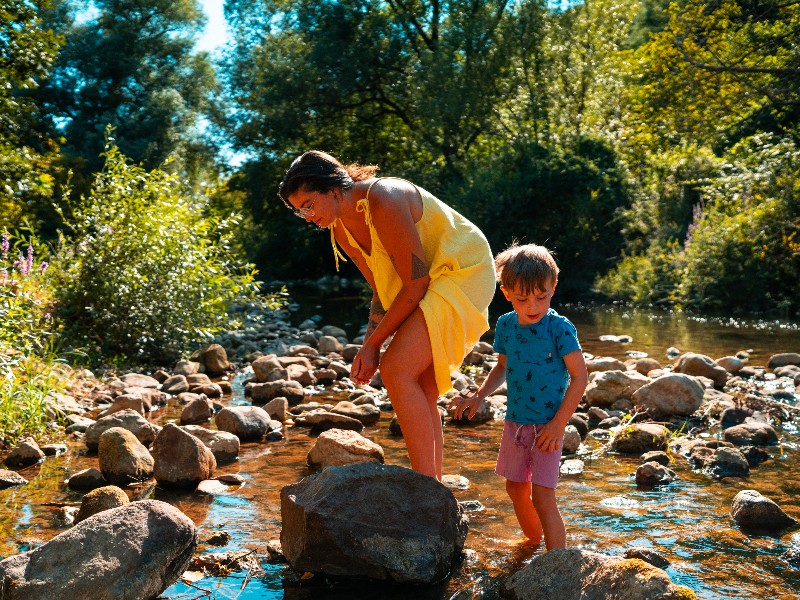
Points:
(418, 267)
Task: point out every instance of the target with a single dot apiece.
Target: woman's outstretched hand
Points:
(365, 364)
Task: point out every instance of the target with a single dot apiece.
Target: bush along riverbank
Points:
(178, 429)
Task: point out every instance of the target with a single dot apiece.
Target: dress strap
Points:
(337, 254)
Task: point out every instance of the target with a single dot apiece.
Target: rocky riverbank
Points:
(640, 407)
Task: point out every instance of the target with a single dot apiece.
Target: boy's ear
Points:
(505, 293)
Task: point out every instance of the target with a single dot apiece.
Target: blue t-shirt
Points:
(536, 375)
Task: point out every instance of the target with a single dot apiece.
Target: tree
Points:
(27, 51)
(132, 66)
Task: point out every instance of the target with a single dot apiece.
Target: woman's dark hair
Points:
(317, 171)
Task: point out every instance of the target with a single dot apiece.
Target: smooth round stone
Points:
(456, 482)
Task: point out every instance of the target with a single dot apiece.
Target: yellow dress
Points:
(462, 283)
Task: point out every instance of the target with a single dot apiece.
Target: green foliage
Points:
(743, 250)
(27, 50)
(145, 274)
(649, 278)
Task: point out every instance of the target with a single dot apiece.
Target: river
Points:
(688, 521)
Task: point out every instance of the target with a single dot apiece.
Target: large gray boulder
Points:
(245, 422)
(674, 394)
(375, 521)
(701, 365)
(751, 434)
(127, 553)
(783, 359)
(572, 574)
(606, 387)
(25, 453)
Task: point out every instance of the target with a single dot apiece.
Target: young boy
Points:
(541, 358)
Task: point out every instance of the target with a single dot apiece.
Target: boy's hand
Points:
(550, 437)
(467, 402)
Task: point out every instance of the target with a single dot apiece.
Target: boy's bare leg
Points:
(520, 494)
(403, 364)
(544, 501)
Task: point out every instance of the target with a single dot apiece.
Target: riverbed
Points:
(688, 522)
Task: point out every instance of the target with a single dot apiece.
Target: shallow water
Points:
(688, 522)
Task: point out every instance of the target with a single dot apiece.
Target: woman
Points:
(431, 273)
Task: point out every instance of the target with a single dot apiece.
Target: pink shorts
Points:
(520, 460)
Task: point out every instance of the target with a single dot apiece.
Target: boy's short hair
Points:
(526, 269)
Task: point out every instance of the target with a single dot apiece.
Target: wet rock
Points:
(261, 393)
(96, 501)
(197, 411)
(10, 479)
(792, 556)
(54, 449)
(727, 462)
(88, 561)
(646, 365)
(609, 423)
(212, 487)
(580, 423)
(25, 453)
(231, 479)
(755, 456)
(605, 387)
(752, 510)
(572, 574)
(670, 395)
(323, 376)
(264, 365)
(328, 344)
(410, 527)
(181, 460)
(455, 482)
(701, 365)
(132, 402)
(368, 414)
(127, 419)
(658, 456)
(647, 555)
(197, 380)
(139, 380)
(277, 409)
(223, 445)
(88, 479)
(123, 458)
(604, 363)
(322, 420)
(734, 416)
(653, 473)
(187, 367)
(215, 360)
(175, 385)
(211, 390)
(640, 438)
(572, 440)
(571, 466)
(337, 447)
(394, 427)
(751, 434)
(781, 360)
(790, 371)
(245, 422)
(78, 424)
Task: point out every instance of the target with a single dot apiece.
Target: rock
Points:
(127, 419)
(78, 424)
(133, 402)
(701, 365)
(337, 447)
(10, 479)
(751, 434)
(653, 473)
(604, 363)
(198, 410)
(88, 561)
(727, 462)
(410, 527)
(245, 422)
(123, 458)
(752, 510)
(781, 360)
(754, 456)
(96, 501)
(572, 440)
(223, 445)
(139, 380)
(322, 420)
(213, 487)
(734, 416)
(580, 423)
(455, 482)
(215, 360)
(25, 453)
(197, 380)
(88, 479)
(188, 367)
(368, 414)
(277, 409)
(328, 344)
(605, 387)
(730, 363)
(261, 393)
(484, 414)
(647, 555)
(573, 574)
(640, 438)
(264, 365)
(646, 365)
(658, 456)
(54, 449)
(181, 460)
(670, 395)
(175, 385)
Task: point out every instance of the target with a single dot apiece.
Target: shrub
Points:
(145, 273)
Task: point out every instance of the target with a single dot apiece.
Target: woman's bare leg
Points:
(403, 364)
(431, 390)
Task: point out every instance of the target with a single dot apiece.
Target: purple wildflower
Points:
(29, 261)
(4, 246)
(43, 266)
